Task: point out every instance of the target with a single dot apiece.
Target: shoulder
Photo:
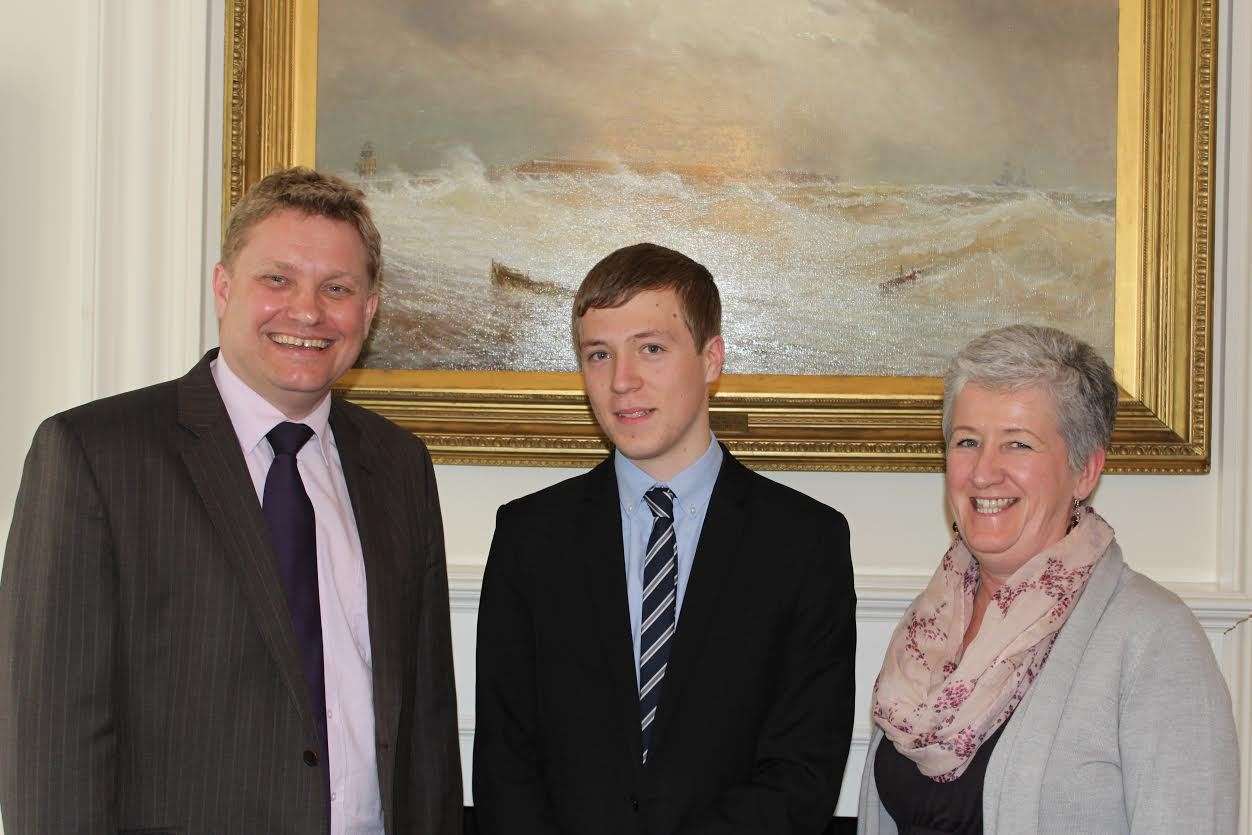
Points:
(103, 438)
(374, 425)
(556, 499)
(542, 532)
(380, 430)
(120, 416)
(783, 503)
(1143, 609)
(809, 540)
(124, 406)
(1157, 631)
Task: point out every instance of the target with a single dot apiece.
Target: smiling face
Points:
(647, 381)
(1009, 482)
(294, 308)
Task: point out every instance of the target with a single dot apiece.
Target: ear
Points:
(371, 307)
(714, 359)
(1089, 475)
(221, 288)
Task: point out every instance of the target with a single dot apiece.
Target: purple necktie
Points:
(289, 515)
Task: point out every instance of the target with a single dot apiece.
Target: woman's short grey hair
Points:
(1025, 356)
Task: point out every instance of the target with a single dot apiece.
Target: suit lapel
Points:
(363, 471)
(600, 539)
(716, 558)
(216, 466)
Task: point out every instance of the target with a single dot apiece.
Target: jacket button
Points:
(634, 803)
(310, 759)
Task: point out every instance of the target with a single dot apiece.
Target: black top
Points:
(919, 805)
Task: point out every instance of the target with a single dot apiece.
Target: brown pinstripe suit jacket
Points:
(151, 679)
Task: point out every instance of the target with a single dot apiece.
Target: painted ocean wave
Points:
(801, 262)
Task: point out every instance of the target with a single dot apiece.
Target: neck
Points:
(664, 469)
(296, 413)
(295, 407)
(988, 585)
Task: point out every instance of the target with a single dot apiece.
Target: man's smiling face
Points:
(295, 307)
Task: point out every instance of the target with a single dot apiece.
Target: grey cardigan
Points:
(1128, 728)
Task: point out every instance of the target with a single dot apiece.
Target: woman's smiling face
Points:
(1009, 482)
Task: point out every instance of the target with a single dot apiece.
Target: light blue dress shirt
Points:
(692, 489)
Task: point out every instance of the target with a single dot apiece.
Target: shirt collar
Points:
(252, 416)
(692, 487)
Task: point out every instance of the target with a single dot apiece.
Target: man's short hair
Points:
(631, 270)
(313, 193)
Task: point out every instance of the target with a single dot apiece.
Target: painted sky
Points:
(896, 91)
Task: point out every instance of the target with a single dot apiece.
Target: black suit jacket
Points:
(754, 723)
(151, 679)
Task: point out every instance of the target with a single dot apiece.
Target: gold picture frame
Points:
(1163, 321)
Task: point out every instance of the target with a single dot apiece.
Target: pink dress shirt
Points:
(356, 807)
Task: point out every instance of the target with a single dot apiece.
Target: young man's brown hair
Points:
(313, 193)
(625, 273)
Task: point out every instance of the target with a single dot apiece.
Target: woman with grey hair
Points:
(1038, 684)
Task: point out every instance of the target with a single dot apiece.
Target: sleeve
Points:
(803, 746)
(58, 625)
(871, 818)
(437, 740)
(509, 792)
(1180, 768)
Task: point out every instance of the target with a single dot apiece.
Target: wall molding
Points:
(1232, 373)
(882, 598)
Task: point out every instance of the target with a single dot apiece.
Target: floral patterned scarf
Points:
(937, 705)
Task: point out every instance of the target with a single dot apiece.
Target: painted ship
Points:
(903, 279)
(502, 275)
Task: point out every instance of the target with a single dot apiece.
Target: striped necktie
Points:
(660, 594)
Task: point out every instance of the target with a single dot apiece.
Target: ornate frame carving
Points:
(1163, 328)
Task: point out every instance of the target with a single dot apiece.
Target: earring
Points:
(1075, 515)
(956, 532)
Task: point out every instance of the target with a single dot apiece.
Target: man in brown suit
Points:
(224, 601)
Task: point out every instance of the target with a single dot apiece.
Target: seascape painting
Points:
(871, 182)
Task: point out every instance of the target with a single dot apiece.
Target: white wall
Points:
(47, 154)
(103, 228)
(110, 152)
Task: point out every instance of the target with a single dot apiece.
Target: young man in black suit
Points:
(665, 643)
